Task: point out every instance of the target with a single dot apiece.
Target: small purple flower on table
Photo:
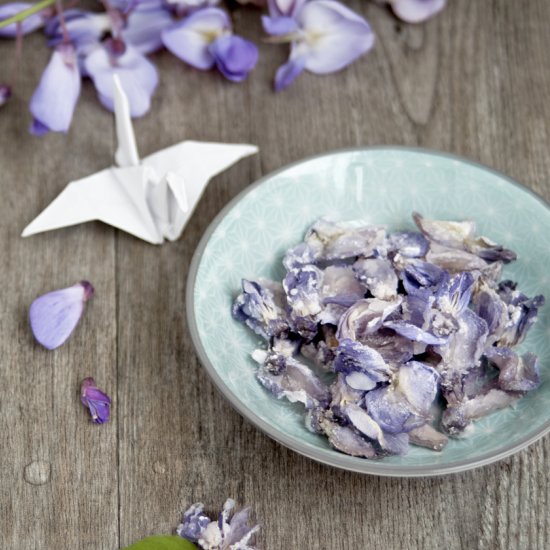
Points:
(54, 316)
(97, 402)
(28, 25)
(416, 11)
(53, 102)
(138, 76)
(205, 40)
(325, 37)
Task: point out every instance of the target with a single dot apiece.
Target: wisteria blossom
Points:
(324, 36)
(205, 40)
(97, 402)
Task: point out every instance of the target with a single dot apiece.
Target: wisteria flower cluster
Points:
(402, 321)
(324, 36)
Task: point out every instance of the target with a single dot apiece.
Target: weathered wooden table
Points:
(474, 81)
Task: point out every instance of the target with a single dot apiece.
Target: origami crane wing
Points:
(190, 165)
(114, 196)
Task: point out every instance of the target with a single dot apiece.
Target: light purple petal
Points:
(416, 11)
(279, 26)
(54, 316)
(85, 29)
(414, 333)
(287, 73)
(303, 290)
(138, 77)
(144, 28)
(28, 25)
(408, 244)
(285, 8)
(235, 57)
(190, 39)
(53, 102)
(418, 383)
(98, 402)
(341, 36)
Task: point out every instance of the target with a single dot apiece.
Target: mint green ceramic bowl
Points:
(381, 186)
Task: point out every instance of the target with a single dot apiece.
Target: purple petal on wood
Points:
(138, 77)
(54, 316)
(53, 102)
(97, 402)
(143, 29)
(235, 57)
(288, 72)
(279, 26)
(285, 8)
(341, 35)
(190, 38)
(416, 11)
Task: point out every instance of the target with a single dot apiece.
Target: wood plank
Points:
(58, 473)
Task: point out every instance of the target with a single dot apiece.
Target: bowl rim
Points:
(329, 456)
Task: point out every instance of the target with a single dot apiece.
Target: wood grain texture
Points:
(474, 81)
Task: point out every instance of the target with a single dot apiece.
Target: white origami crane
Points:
(152, 199)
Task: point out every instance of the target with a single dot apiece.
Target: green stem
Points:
(26, 13)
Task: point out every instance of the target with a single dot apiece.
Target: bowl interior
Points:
(381, 186)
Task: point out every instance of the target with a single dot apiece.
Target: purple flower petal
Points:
(193, 523)
(279, 26)
(408, 244)
(303, 290)
(28, 25)
(54, 316)
(98, 403)
(341, 36)
(287, 73)
(416, 11)
(144, 29)
(235, 57)
(84, 28)
(138, 77)
(183, 8)
(190, 39)
(53, 102)
(285, 8)
(414, 333)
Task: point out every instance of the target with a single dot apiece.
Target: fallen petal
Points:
(54, 316)
(416, 11)
(193, 523)
(98, 403)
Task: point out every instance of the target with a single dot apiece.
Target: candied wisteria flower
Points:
(230, 531)
(54, 316)
(402, 321)
(97, 402)
(53, 102)
(325, 37)
(205, 40)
